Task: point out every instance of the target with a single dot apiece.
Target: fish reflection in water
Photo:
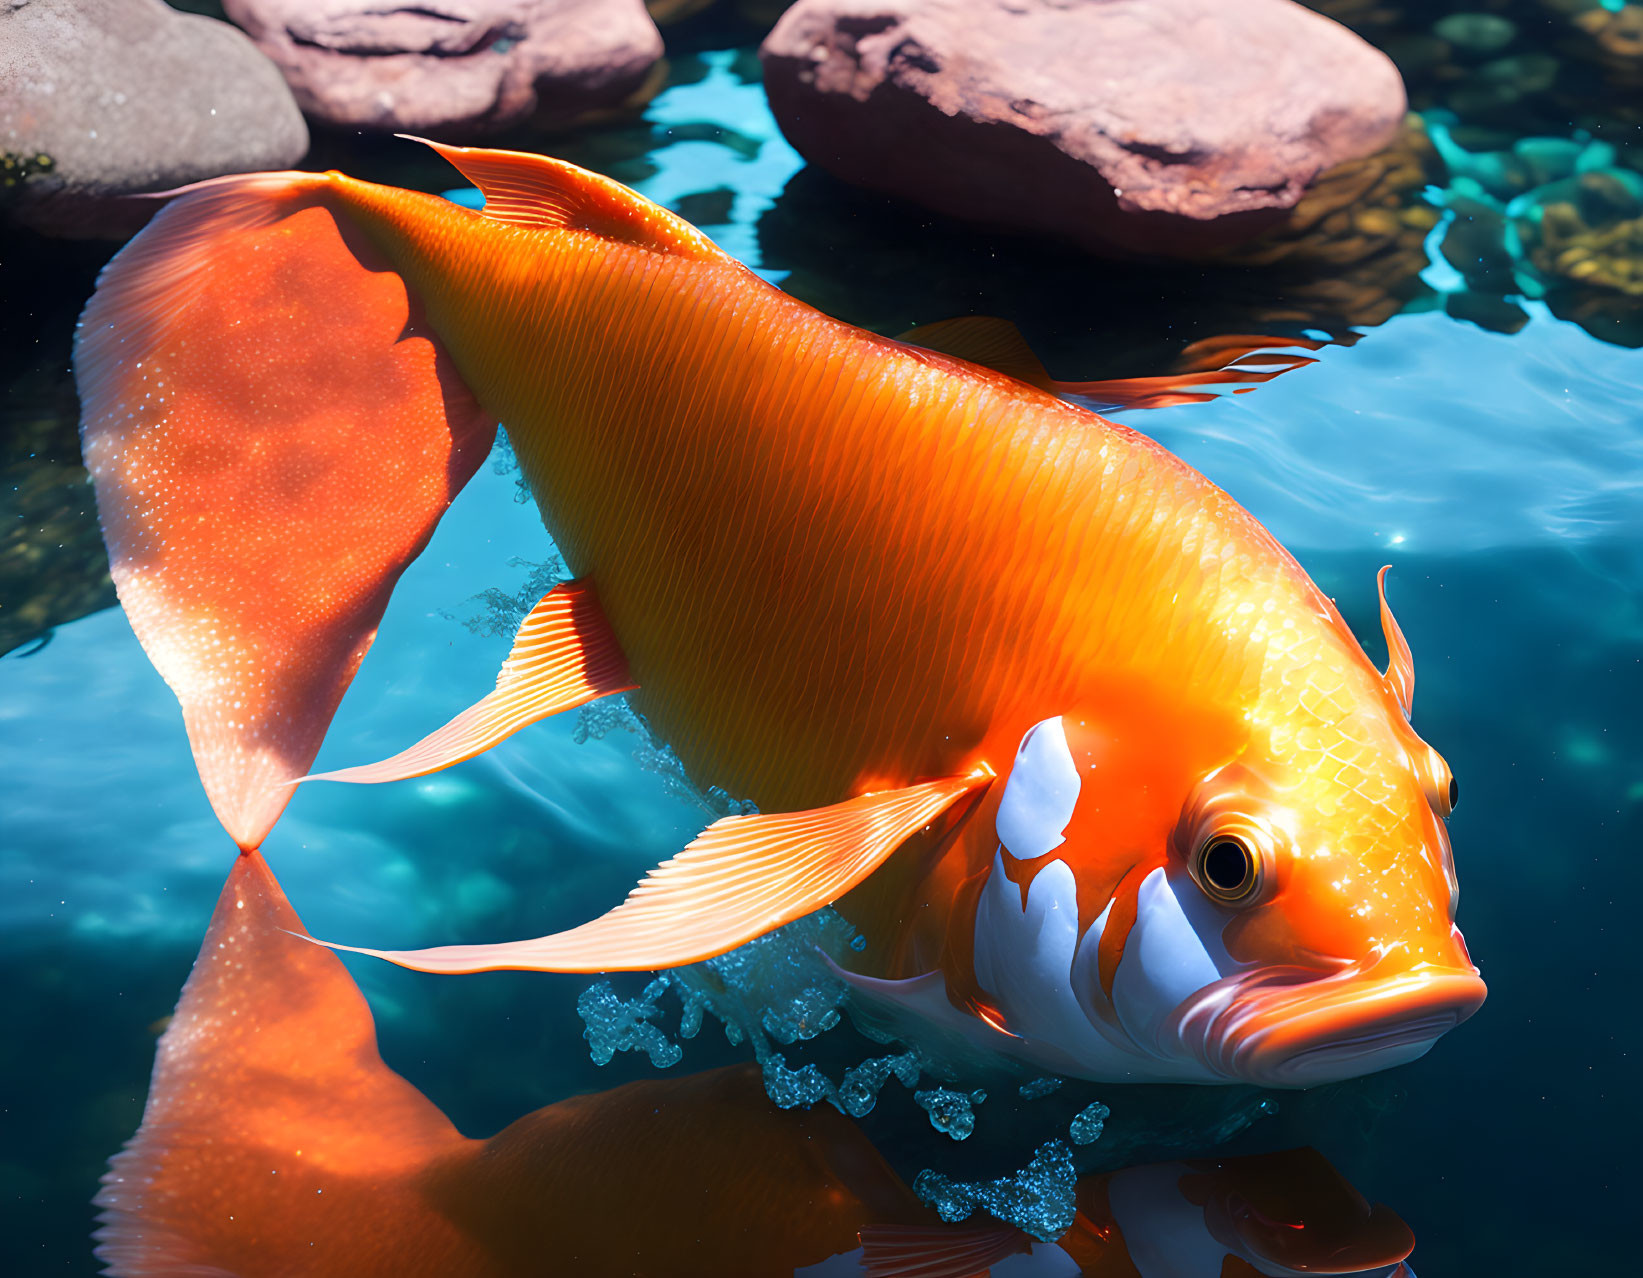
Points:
(277, 1142)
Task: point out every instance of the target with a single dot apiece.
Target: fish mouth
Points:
(1337, 1027)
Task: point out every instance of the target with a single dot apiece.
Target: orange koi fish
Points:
(276, 1142)
(1158, 816)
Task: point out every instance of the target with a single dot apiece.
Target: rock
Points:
(104, 98)
(1352, 251)
(665, 13)
(457, 68)
(1152, 126)
(1476, 35)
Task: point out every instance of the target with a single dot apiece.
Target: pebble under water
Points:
(1501, 474)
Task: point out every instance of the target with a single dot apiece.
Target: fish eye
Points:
(1227, 869)
(1442, 790)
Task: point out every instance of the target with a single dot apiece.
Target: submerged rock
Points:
(1585, 230)
(1351, 252)
(1477, 35)
(1168, 127)
(105, 98)
(458, 68)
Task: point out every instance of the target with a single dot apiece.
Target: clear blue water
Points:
(1502, 476)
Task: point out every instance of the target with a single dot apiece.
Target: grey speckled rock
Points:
(121, 96)
(456, 68)
(1151, 126)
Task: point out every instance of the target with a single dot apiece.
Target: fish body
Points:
(837, 566)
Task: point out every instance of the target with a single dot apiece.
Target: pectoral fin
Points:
(742, 877)
(937, 1251)
(563, 656)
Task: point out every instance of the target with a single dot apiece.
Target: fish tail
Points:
(273, 431)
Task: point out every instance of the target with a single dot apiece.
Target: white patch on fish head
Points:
(1023, 961)
(1039, 974)
(1042, 975)
(1173, 954)
(1039, 794)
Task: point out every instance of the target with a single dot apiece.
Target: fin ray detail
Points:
(563, 656)
(742, 877)
(539, 191)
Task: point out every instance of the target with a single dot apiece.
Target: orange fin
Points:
(535, 190)
(563, 656)
(986, 340)
(998, 344)
(1239, 360)
(1241, 348)
(1400, 661)
(268, 1102)
(273, 432)
(937, 1251)
(741, 877)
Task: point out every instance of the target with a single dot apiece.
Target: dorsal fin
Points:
(986, 340)
(536, 190)
(998, 344)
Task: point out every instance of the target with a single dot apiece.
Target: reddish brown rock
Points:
(456, 68)
(1145, 126)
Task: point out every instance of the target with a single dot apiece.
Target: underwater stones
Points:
(1476, 35)
(458, 68)
(1474, 243)
(1585, 230)
(1352, 250)
(105, 98)
(1608, 40)
(1165, 127)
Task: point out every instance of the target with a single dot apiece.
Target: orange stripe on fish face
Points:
(1120, 922)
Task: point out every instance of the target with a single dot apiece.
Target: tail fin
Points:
(274, 1140)
(273, 432)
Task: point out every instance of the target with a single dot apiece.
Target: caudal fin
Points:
(272, 431)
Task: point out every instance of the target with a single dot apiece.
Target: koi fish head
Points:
(1285, 919)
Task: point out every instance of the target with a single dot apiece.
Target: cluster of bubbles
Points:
(1039, 1199)
(777, 991)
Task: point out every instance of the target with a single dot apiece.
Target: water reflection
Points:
(275, 1140)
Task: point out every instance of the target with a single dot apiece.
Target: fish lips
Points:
(1331, 1028)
